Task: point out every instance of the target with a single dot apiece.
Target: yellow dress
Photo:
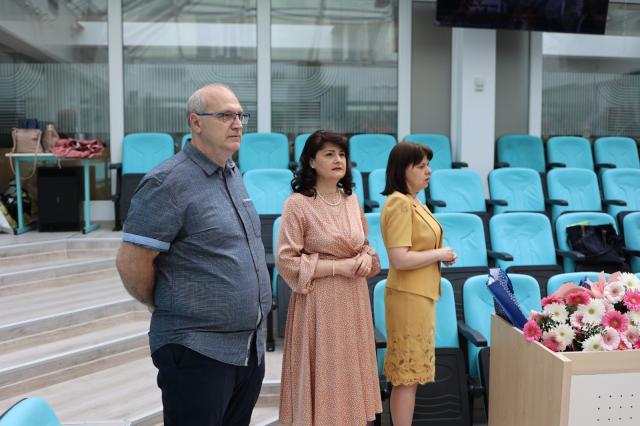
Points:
(410, 296)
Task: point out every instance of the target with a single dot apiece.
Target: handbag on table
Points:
(26, 141)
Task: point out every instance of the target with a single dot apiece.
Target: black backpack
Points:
(601, 245)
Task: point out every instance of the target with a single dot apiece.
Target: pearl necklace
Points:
(327, 202)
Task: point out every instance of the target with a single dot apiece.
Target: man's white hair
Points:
(197, 102)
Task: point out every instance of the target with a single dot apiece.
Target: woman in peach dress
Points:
(329, 370)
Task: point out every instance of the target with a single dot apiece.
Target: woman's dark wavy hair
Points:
(403, 155)
(304, 181)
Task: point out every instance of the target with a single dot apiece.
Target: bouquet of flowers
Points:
(592, 316)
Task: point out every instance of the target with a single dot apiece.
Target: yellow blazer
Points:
(405, 222)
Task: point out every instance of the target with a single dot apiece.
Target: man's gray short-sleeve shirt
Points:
(212, 285)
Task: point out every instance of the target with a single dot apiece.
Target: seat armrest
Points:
(114, 166)
(632, 252)
(605, 166)
(496, 202)
(500, 255)
(371, 204)
(436, 203)
(554, 165)
(552, 202)
(381, 341)
(471, 335)
(459, 164)
(614, 203)
(501, 164)
(571, 254)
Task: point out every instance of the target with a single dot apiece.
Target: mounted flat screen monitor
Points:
(564, 16)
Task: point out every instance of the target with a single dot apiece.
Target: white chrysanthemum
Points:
(557, 312)
(565, 335)
(614, 292)
(629, 280)
(634, 317)
(592, 312)
(593, 344)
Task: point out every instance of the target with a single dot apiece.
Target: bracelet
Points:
(333, 268)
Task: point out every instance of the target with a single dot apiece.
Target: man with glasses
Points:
(192, 252)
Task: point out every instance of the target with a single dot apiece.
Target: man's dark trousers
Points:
(200, 391)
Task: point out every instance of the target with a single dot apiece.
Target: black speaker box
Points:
(60, 198)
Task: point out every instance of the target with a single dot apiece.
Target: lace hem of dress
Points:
(410, 360)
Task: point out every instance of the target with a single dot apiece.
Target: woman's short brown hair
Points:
(403, 155)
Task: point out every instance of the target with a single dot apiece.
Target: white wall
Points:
(473, 94)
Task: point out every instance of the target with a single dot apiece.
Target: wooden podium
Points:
(533, 386)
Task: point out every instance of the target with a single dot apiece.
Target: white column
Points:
(263, 32)
(473, 95)
(535, 84)
(116, 82)
(404, 68)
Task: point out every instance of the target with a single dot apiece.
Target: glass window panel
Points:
(53, 67)
(172, 48)
(334, 66)
(595, 96)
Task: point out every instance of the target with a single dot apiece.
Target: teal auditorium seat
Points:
(631, 226)
(268, 190)
(568, 219)
(370, 151)
(280, 290)
(263, 151)
(464, 233)
(556, 281)
(376, 186)
(375, 238)
(573, 190)
(523, 151)
(623, 186)
(569, 151)
(478, 307)
(186, 138)
(441, 148)
(616, 151)
(377, 179)
(358, 186)
(376, 241)
(528, 239)
(141, 152)
(32, 411)
(445, 401)
(298, 145)
(520, 188)
(457, 190)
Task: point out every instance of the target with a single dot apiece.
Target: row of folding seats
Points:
(460, 190)
(566, 151)
(368, 151)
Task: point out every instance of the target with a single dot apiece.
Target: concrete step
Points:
(120, 392)
(69, 340)
(15, 382)
(52, 258)
(64, 269)
(103, 272)
(51, 301)
(17, 249)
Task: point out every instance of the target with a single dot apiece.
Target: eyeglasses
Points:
(227, 116)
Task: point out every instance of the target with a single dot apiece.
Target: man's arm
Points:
(135, 265)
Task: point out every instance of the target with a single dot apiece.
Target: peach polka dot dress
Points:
(329, 370)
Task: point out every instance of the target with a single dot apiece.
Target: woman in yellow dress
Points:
(413, 238)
